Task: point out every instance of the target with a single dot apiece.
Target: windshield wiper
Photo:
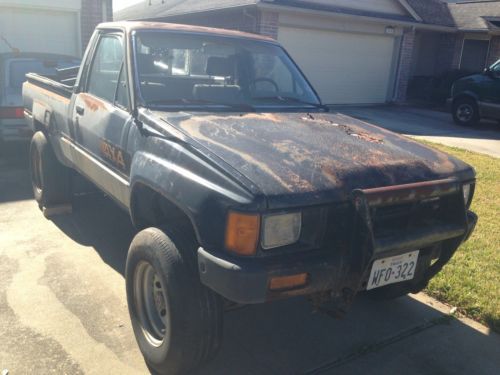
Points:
(294, 100)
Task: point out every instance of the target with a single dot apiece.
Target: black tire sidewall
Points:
(54, 177)
(177, 270)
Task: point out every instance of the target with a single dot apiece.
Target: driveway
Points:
(63, 309)
(434, 126)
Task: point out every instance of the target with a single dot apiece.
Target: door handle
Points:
(80, 110)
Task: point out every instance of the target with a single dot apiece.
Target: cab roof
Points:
(129, 26)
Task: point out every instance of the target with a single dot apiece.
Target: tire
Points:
(465, 112)
(49, 178)
(164, 291)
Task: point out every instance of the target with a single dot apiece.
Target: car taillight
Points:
(11, 112)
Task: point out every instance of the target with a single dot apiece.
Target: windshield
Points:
(18, 68)
(202, 70)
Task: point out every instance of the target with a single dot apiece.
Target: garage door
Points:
(40, 30)
(344, 68)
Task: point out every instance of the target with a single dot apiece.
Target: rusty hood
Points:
(305, 158)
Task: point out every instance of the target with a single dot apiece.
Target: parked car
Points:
(13, 69)
(244, 188)
(476, 96)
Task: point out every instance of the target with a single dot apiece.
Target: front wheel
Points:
(177, 321)
(465, 112)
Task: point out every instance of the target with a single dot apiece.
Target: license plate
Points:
(393, 270)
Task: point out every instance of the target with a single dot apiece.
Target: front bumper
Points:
(246, 280)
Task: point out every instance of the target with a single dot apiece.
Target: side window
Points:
(105, 70)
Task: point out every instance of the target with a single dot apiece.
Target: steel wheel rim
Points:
(150, 303)
(465, 112)
(36, 171)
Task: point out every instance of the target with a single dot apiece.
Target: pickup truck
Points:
(244, 187)
(476, 96)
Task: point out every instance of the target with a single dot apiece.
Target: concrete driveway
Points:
(63, 309)
(434, 126)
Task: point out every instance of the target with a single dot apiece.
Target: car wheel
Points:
(49, 178)
(177, 321)
(465, 112)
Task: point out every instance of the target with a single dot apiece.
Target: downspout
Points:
(398, 71)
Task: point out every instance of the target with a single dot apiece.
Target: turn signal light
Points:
(242, 233)
(287, 282)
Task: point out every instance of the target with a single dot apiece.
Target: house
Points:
(50, 26)
(354, 52)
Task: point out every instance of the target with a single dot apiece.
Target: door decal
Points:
(116, 156)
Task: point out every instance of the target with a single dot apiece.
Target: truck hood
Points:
(304, 158)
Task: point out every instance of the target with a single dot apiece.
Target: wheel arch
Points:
(466, 95)
(150, 207)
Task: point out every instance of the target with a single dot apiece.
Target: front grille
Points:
(388, 221)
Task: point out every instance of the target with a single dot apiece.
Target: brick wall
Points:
(405, 64)
(445, 59)
(457, 55)
(268, 24)
(494, 53)
(248, 20)
(91, 15)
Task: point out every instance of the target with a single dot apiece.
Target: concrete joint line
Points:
(371, 348)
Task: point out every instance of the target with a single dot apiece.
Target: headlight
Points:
(467, 190)
(280, 230)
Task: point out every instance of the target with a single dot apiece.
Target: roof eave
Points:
(389, 21)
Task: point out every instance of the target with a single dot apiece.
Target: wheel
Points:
(49, 178)
(465, 112)
(177, 321)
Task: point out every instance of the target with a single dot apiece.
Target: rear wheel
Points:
(49, 178)
(177, 321)
(465, 112)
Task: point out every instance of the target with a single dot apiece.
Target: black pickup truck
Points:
(245, 188)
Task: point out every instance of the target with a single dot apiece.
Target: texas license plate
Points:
(393, 270)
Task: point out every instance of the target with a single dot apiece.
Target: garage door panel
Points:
(40, 30)
(345, 67)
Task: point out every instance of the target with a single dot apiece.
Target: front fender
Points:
(203, 192)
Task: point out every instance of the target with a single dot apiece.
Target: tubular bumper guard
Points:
(246, 280)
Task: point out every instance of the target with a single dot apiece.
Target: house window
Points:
(474, 54)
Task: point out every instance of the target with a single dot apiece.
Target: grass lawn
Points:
(471, 281)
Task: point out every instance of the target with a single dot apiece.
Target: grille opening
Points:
(395, 220)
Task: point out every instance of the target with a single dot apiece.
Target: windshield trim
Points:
(141, 102)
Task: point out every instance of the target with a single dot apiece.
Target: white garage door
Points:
(344, 68)
(40, 30)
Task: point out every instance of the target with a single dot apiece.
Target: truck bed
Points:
(62, 84)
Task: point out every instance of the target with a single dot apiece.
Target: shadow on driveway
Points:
(287, 337)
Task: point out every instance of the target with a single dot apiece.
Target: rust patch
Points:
(47, 93)
(93, 104)
(358, 133)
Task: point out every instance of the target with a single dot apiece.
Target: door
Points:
(102, 117)
(343, 67)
